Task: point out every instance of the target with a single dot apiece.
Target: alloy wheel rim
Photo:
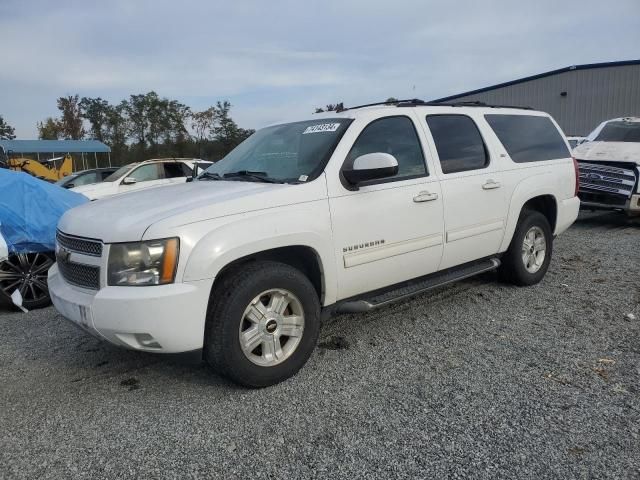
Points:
(534, 249)
(27, 273)
(271, 327)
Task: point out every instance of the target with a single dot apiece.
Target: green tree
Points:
(137, 112)
(203, 123)
(226, 130)
(96, 111)
(50, 129)
(7, 132)
(71, 119)
(116, 124)
(332, 107)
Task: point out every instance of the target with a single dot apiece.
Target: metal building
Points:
(578, 97)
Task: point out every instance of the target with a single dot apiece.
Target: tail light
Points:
(575, 167)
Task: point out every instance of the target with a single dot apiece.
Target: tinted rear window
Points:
(528, 138)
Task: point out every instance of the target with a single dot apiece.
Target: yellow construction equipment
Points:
(44, 169)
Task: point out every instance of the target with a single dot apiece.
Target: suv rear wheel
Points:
(527, 260)
(262, 325)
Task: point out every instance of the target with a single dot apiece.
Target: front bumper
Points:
(164, 318)
(632, 205)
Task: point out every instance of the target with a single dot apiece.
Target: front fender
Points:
(248, 234)
(543, 183)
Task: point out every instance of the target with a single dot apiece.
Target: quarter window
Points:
(459, 143)
(396, 136)
(528, 138)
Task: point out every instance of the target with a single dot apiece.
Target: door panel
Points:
(473, 196)
(474, 217)
(382, 236)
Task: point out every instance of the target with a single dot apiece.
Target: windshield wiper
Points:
(209, 176)
(257, 176)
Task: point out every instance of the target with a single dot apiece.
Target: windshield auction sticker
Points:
(322, 127)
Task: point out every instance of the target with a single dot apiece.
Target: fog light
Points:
(146, 340)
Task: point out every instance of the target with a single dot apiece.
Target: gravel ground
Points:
(477, 380)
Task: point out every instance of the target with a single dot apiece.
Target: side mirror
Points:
(69, 185)
(129, 181)
(371, 166)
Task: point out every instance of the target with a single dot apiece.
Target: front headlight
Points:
(143, 263)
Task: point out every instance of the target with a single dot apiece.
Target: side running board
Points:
(409, 289)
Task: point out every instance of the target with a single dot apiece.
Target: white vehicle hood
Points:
(126, 217)
(96, 190)
(609, 151)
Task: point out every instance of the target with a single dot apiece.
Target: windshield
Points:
(65, 180)
(119, 172)
(291, 152)
(620, 131)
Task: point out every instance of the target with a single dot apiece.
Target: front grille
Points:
(606, 179)
(85, 276)
(86, 246)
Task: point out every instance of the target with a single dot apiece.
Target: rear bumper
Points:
(166, 318)
(568, 210)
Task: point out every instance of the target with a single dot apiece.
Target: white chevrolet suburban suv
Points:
(609, 166)
(343, 212)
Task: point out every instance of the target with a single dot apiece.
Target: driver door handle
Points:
(425, 197)
(490, 184)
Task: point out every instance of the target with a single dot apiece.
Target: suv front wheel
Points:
(527, 260)
(263, 324)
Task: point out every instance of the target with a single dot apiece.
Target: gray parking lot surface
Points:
(476, 380)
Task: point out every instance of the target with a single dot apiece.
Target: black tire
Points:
(513, 268)
(34, 289)
(236, 290)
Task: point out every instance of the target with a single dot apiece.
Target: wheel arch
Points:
(546, 205)
(302, 257)
(228, 246)
(535, 193)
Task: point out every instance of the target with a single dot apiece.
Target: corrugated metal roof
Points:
(588, 66)
(54, 146)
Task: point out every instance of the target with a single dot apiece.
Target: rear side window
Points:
(173, 170)
(528, 138)
(459, 143)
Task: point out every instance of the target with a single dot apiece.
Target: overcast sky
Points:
(278, 60)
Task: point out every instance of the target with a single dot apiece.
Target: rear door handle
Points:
(490, 185)
(425, 197)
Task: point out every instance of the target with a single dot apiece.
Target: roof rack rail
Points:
(474, 103)
(386, 102)
(416, 102)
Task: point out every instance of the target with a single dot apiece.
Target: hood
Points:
(609, 151)
(126, 217)
(96, 189)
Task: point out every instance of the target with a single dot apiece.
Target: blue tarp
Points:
(30, 209)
